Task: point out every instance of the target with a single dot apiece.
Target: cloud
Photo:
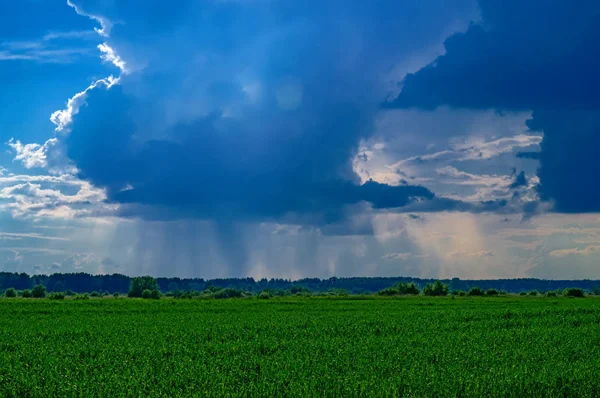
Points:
(520, 180)
(464, 253)
(30, 236)
(586, 251)
(63, 118)
(109, 55)
(533, 55)
(403, 256)
(32, 155)
(63, 196)
(237, 119)
(105, 24)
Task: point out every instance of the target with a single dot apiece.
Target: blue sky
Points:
(270, 138)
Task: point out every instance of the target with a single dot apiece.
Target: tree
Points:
(10, 292)
(574, 292)
(146, 293)
(155, 294)
(491, 292)
(26, 293)
(475, 291)
(437, 289)
(38, 291)
(141, 283)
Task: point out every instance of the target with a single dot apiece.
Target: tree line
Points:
(83, 282)
(149, 287)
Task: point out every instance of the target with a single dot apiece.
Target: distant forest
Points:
(82, 282)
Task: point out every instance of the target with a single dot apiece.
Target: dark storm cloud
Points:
(529, 55)
(256, 112)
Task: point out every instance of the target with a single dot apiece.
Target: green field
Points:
(504, 346)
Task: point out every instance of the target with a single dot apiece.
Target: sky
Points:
(270, 138)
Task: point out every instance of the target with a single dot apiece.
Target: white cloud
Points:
(466, 253)
(73, 34)
(474, 148)
(403, 256)
(105, 24)
(32, 155)
(586, 251)
(63, 118)
(110, 55)
(25, 197)
(29, 236)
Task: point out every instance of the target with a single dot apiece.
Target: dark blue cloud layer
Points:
(185, 135)
(529, 55)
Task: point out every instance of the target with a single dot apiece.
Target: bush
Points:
(141, 283)
(95, 294)
(83, 296)
(146, 293)
(10, 292)
(228, 293)
(38, 291)
(400, 288)
(57, 296)
(155, 294)
(389, 291)
(491, 292)
(69, 292)
(457, 293)
(533, 293)
(550, 293)
(475, 291)
(462, 293)
(523, 294)
(574, 292)
(115, 294)
(437, 289)
(299, 289)
(264, 295)
(27, 293)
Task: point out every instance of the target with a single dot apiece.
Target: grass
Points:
(303, 347)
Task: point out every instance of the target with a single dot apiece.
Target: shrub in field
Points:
(155, 294)
(437, 289)
(533, 293)
(596, 291)
(95, 294)
(146, 293)
(115, 294)
(400, 288)
(299, 289)
(38, 291)
(475, 291)
(57, 296)
(10, 292)
(574, 292)
(69, 292)
(141, 283)
(264, 295)
(523, 294)
(83, 296)
(228, 293)
(550, 293)
(491, 292)
(388, 291)
(27, 293)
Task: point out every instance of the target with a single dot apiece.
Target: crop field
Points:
(303, 347)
